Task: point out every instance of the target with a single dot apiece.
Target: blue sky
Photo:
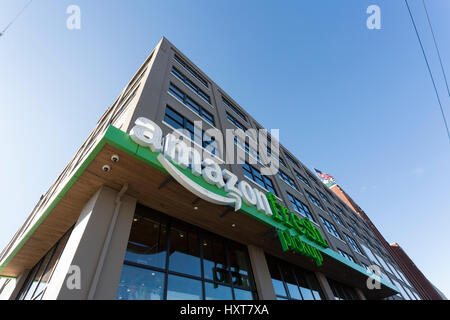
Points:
(353, 102)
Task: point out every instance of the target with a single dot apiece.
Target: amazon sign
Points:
(174, 153)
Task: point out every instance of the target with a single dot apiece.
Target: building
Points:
(412, 276)
(132, 218)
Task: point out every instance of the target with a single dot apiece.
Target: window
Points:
(191, 70)
(314, 200)
(282, 162)
(330, 227)
(287, 179)
(300, 207)
(353, 243)
(346, 255)
(301, 178)
(292, 160)
(177, 121)
(40, 276)
(337, 218)
(353, 230)
(191, 85)
(168, 259)
(292, 282)
(312, 178)
(191, 104)
(235, 109)
(324, 198)
(235, 122)
(254, 174)
(341, 291)
(247, 148)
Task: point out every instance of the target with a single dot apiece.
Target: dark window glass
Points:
(341, 291)
(214, 260)
(235, 109)
(256, 176)
(40, 275)
(191, 104)
(191, 85)
(302, 178)
(240, 268)
(314, 200)
(330, 227)
(191, 70)
(275, 274)
(147, 243)
(292, 160)
(337, 218)
(346, 255)
(235, 122)
(353, 244)
(287, 179)
(186, 127)
(299, 283)
(225, 274)
(300, 207)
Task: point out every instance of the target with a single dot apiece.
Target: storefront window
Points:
(341, 291)
(291, 282)
(199, 265)
(184, 250)
(41, 274)
(140, 284)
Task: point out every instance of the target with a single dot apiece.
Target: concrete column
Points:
(325, 286)
(80, 260)
(360, 294)
(261, 273)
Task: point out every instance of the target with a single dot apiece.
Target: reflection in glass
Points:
(242, 294)
(303, 285)
(147, 243)
(181, 288)
(239, 268)
(184, 250)
(217, 292)
(277, 283)
(214, 260)
(140, 284)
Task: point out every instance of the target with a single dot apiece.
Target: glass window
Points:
(40, 275)
(299, 283)
(226, 272)
(184, 254)
(147, 243)
(235, 109)
(182, 288)
(191, 70)
(191, 85)
(243, 294)
(191, 104)
(300, 207)
(314, 200)
(140, 284)
(240, 268)
(254, 174)
(341, 291)
(217, 292)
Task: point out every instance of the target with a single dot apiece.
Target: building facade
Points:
(411, 274)
(132, 216)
